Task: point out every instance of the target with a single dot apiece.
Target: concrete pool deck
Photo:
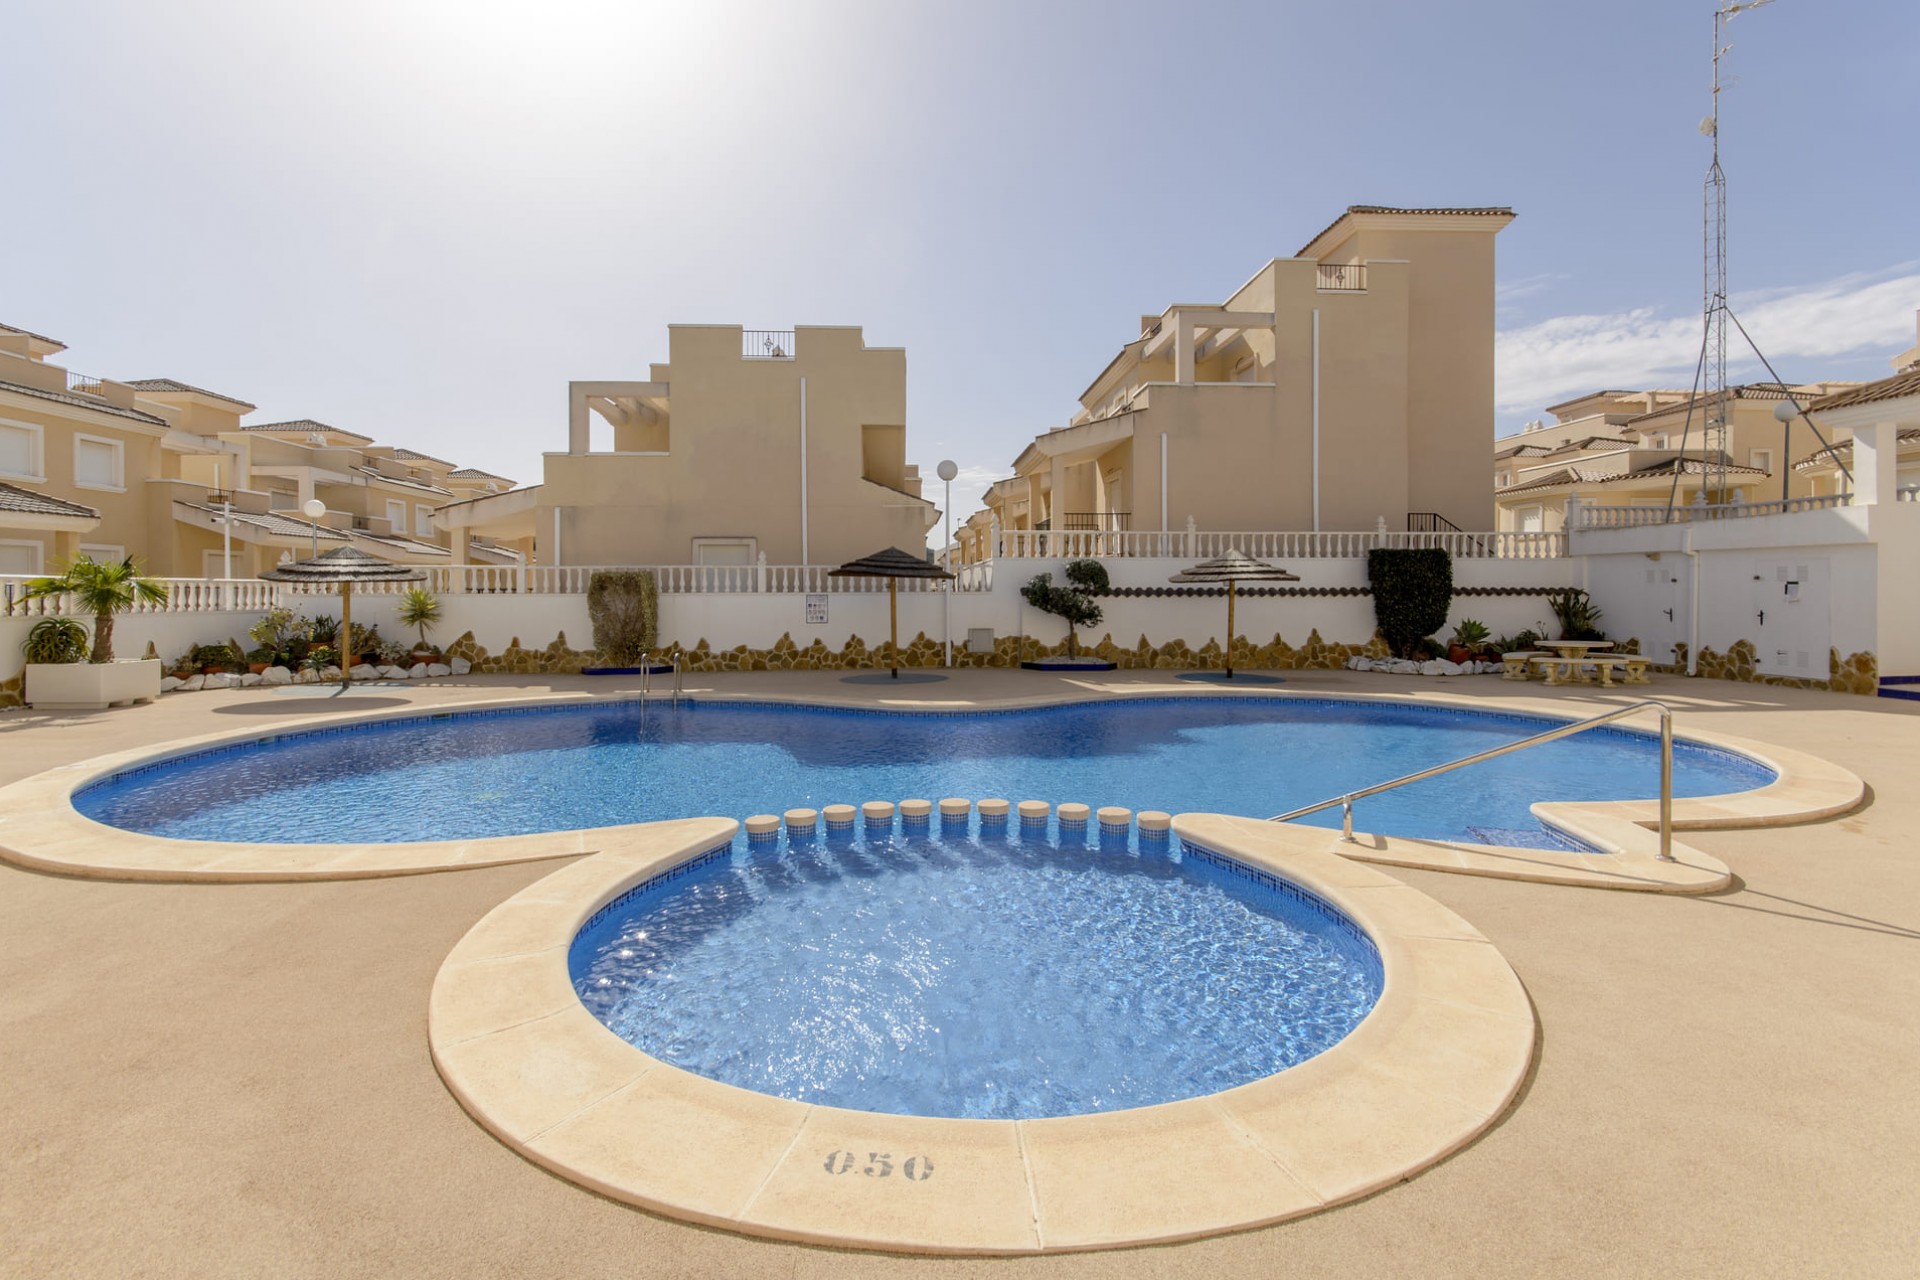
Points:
(234, 1079)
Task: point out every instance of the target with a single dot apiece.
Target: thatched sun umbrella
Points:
(1232, 568)
(892, 564)
(345, 566)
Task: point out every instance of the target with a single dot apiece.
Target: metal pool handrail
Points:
(1563, 731)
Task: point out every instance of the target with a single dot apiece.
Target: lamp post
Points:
(1784, 413)
(315, 509)
(947, 471)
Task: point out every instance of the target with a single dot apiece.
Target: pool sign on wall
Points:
(816, 609)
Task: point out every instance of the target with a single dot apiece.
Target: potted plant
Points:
(420, 609)
(1468, 639)
(1578, 616)
(101, 590)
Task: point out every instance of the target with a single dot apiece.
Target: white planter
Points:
(91, 686)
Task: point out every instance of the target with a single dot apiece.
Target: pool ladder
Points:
(1563, 731)
(646, 675)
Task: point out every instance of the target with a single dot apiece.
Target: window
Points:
(20, 559)
(20, 457)
(397, 515)
(422, 521)
(281, 500)
(103, 553)
(1761, 458)
(1656, 442)
(723, 551)
(1503, 480)
(98, 463)
(1529, 519)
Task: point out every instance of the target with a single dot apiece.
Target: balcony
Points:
(1096, 521)
(1341, 277)
(766, 344)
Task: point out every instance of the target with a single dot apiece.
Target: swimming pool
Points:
(998, 971)
(477, 774)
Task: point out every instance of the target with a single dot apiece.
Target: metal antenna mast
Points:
(1714, 352)
(1713, 397)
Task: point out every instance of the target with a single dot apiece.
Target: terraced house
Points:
(789, 444)
(1350, 383)
(169, 473)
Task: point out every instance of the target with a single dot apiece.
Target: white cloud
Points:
(1538, 364)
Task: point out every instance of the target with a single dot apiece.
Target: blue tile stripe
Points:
(1359, 941)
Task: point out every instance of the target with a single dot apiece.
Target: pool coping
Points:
(41, 829)
(1437, 1062)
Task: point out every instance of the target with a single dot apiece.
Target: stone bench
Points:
(1559, 670)
(1513, 666)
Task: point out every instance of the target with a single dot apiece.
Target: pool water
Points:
(991, 973)
(478, 774)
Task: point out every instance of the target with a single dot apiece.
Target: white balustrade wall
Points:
(753, 605)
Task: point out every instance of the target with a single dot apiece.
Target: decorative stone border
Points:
(40, 828)
(1437, 1061)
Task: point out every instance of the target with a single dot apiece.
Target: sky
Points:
(419, 219)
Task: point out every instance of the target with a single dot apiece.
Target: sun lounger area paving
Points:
(214, 1079)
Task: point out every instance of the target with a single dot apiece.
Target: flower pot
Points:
(91, 686)
(257, 667)
(1458, 654)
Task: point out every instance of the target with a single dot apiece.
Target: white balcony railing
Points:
(1642, 517)
(1028, 544)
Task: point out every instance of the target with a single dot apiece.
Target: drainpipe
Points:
(1163, 484)
(805, 559)
(1316, 419)
(1693, 603)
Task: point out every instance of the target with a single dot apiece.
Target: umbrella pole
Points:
(893, 619)
(1230, 586)
(346, 635)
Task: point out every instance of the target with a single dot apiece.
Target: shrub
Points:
(276, 626)
(221, 657)
(625, 607)
(1412, 591)
(1577, 615)
(1469, 634)
(1072, 602)
(56, 640)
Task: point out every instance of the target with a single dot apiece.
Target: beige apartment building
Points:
(1350, 383)
(169, 473)
(1646, 448)
(787, 444)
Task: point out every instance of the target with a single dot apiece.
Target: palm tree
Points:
(102, 590)
(419, 608)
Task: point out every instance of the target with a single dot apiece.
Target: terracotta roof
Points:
(1490, 211)
(474, 473)
(1746, 391)
(409, 455)
(301, 426)
(37, 337)
(406, 481)
(98, 406)
(269, 522)
(413, 545)
(168, 384)
(1573, 475)
(28, 502)
(1906, 435)
(1906, 383)
(1537, 450)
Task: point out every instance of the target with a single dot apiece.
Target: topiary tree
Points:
(625, 608)
(1072, 602)
(102, 590)
(1412, 591)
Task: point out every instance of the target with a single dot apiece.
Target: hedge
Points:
(1412, 591)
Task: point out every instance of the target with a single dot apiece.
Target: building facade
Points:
(169, 473)
(1348, 384)
(787, 444)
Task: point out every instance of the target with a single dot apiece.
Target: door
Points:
(1792, 627)
(1665, 624)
